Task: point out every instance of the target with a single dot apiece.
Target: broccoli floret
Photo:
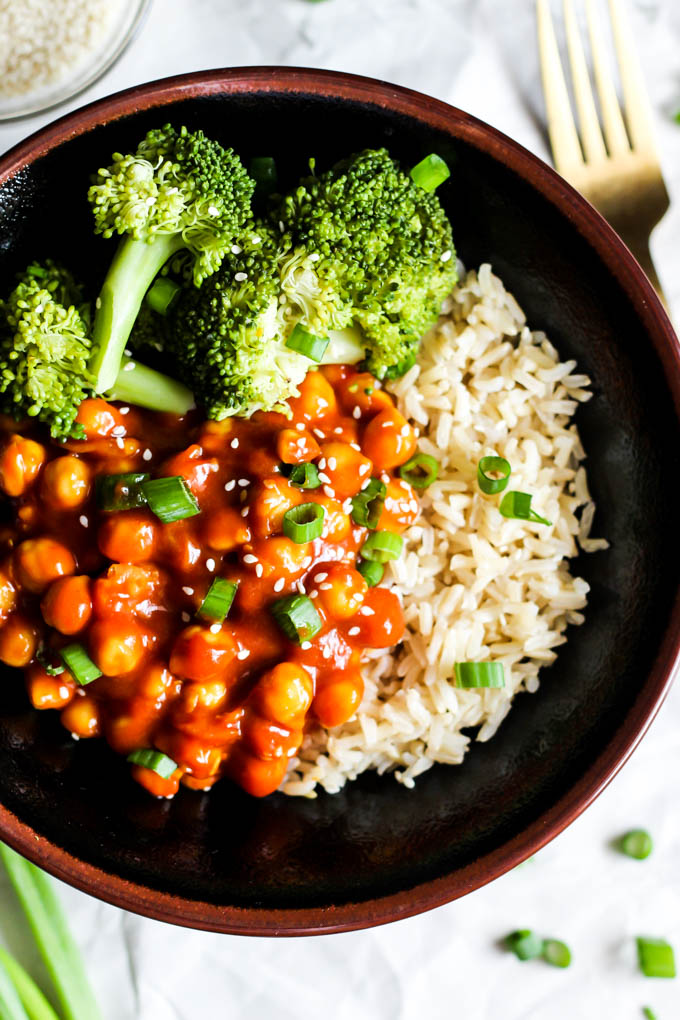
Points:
(381, 250)
(179, 190)
(45, 352)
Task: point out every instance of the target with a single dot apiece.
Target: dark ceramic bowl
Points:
(377, 852)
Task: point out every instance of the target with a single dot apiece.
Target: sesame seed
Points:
(119, 430)
(320, 577)
(244, 482)
(326, 652)
(385, 477)
(332, 463)
(325, 587)
(363, 468)
(259, 570)
(353, 631)
(127, 353)
(355, 446)
(228, 486)
(249, 558)
(281, 226)
(215, 628)
(185, 617)
(240, 277)
(322, 464)
(210, 564)
(307, 562)
(306, 645)
(98, 303)
(329, 492)
(243, 654)
(84, 521)
(129, 367)
(338, 430)
(314, 257)
(301, 426)
(356, 413)
(367, 611)
(319, 434)
(324, 478)
(300, 587)
(147, 455)
(236, 250)
(234, 444)
(256, 239)
(213, 210)
(347, 506)
(120, 443)
(313, 594)
(405, 430)
(245, 511)
(74, 736)
(188, 591)
(124, 410)
(278, 586)
(446, 255)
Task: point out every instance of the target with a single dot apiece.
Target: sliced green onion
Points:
(217, 602)
(162, 295)
(382, 546)
(304, 523)
(121, 492)
(53, 938)
(420, 471)
(11, 1007)
(430, 172)
(556, 953)
(304, 342)
(297, 617)
(32, 999)
(518, 505)
(79, 664)
(648, 1013)
(637, 843)
(170, 499)
(656, 957)
(154, 760)
(367, 505)
(302, 476)
(43, 657)
(525, 944)
(479, 674)
(498, 465)
(263, 172)
(371, 571)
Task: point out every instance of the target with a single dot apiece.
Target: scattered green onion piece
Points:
(263, 171)
(217, 602)
(170, 499)
(79, 664)
(297, 617)
(556, 953)
(656, 957)
(382, 546)
(54, 940)
(302, 476)
(11, 1007)
(493, 485)
(154, 760)
(43, 658)
(637, 843)
(162, 295)
(32, 999)
(367, 505)
(420, 471)
(430, 172)
(479, 674)
(648, 1013)
(525, 944)
(121, 492)
(304, 342)
(303, 523)
(371, 571)
(517, 505)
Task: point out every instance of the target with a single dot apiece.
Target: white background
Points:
(479, 55)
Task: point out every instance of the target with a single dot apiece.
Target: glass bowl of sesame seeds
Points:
(51, 50)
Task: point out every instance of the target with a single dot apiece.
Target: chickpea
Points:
(8, 596)
(401, 506)
(284, 694)
(195, 755)
(117, 646)
(99, 419)
(124, 587)
(81, 716)
(208, 694)
(257, 777)
(224, 529)
(18, 641)
(66, 483)
(339, 697)
(362, 390)
(268, 740)
(132, 728)
(296, 446)
(193, 467)
(215, 436)
(316, 401)
(128, 536)
(38, 561)
(198, 654)
(269, 501)
(380, 620)
(179, 545)
(347, 468)
(155, 784)
(20, 463)
(67, 604)
(342, 592)
(279, 557)
(47, 691)
(389, 440)
(336, 523)
(156, 682)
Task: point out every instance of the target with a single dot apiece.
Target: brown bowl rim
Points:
(620, 263)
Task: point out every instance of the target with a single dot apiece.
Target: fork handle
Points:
(640, 249)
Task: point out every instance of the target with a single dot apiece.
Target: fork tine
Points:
(614, 128)
(637, 108)
(591, 134)
(561, 127)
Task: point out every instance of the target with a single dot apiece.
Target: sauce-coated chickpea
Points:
(67, 604)
(128, 536)
(156, 682)
(46, 691)
(8, 596)
(284, 694)
(342, 592)
(270, 499)
(362, 390)
(316, 401)
(99, 419)
(198, 654)
(381, 620)
(193, 467)
(20, 463)
(269, 740)
(39, 561)
(336, 523)
(155, 784)
(347, 469)
(256, 776)
(339, 697)
(65, 483)
(18, 641)
(224, 529)
(133, 727)
(81, 716)
(279, 557)
(208, 694)
(389, 440)
(117, 644)
(401, 506)
(296, 446)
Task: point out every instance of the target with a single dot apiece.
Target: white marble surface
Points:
(479, 55)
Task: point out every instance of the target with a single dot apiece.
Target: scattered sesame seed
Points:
(74, 736)
(324, 477)
(124, 410)
(329, 492)
(314, 257)
(98, 303)
(129, 367)
(240, 277)
(385, 477)
(259, 570)
(301, 588)
(281, 226)
(185, 617)
(405, 430)
(319, 434)
(213, 210)
(120, 443)
(236, 249)
(446, 255)
(326, 652)
(243, 654)
(210, 564)
(127, 353)
(256, 239)
(313, 594)
(249, 558)
(147, 455)
(355, 446)
(215, 628)
(228, 486)
(301, 426)
(245, 511)
(320, 577)
(363, 468)
(278, 585)
(347, 506)
(188, 591)
(307, 562)
(356, 413)
(84, 521)
(322, 464)
(119, 430)
(306, 645)
(367, 611)
(332, 463)
(338, 430)
(325, 586)
(244, 482)
(234, 444)
(353, 631)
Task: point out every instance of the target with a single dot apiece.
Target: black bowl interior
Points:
(377, 838)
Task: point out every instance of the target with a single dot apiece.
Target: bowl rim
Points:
(631, 278)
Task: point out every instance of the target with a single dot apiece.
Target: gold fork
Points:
(619, 173)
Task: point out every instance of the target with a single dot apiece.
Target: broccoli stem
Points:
(346, 347)
(134, 267)
(137, 384)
